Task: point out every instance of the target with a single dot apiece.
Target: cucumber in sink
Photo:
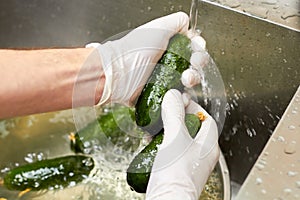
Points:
(56, 173)
(114, 126)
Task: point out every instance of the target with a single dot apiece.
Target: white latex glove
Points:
(182, 165)
(128, 62)
(199, 59)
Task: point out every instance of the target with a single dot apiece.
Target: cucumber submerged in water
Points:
(138, 172)
(114, 126)
(165, 76)
(54, 173)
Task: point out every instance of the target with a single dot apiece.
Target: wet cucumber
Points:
(54, 173)
(138, 172)
(165, 76)
(114, 126)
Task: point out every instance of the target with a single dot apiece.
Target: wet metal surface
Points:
(276, 174)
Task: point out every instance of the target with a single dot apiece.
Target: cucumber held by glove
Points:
(165, 76)
(138, 172)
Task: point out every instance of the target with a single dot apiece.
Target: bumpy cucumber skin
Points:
(47, 174)
(111, 127)
(165, 76)
(138, 172)
(193, 124)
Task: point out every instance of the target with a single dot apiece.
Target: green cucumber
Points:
(165, 76)
(112, 127)
(53, 173)
(138, 172)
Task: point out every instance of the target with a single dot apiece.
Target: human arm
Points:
(182, 164)
(42, 80)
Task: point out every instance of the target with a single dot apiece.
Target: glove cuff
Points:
(105, 54)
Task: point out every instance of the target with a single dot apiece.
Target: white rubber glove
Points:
(199, 59)
(182, 165)
(128, 62)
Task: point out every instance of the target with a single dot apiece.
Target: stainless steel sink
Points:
(258, 60)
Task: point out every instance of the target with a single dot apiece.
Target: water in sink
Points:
(36, 137)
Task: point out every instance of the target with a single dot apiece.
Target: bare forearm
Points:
(35, 81)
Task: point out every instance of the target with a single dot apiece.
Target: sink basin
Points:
(258, 60)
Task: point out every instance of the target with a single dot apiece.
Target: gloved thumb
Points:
(172, 107)
(173, 114)
(176, 138)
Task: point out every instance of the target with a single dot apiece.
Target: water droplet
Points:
(290, 148)
(292, 127)
(172, 8)
(280, 138)
(40, 156)
(4, 170)
(72, 183)
(287, 191)
(262, 161)
(279, 49)
(266, 153)
(232, 3)
(247, 150)
(292, 173)
(258, 181)
(88, 162)
(260, 166)
(222, 51)
(289, 13)
(269, 2)
(298, 184)
(36, 184)
(28, 158)
(294, 112)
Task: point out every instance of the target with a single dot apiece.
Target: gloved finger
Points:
(176, 22)
(190, 78)
(207, 137)
(172, 107)
(176, 137)
(173, 114)
(199, 59)
(198, 43)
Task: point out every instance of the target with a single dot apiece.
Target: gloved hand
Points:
(182, 165)
(128, 62)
